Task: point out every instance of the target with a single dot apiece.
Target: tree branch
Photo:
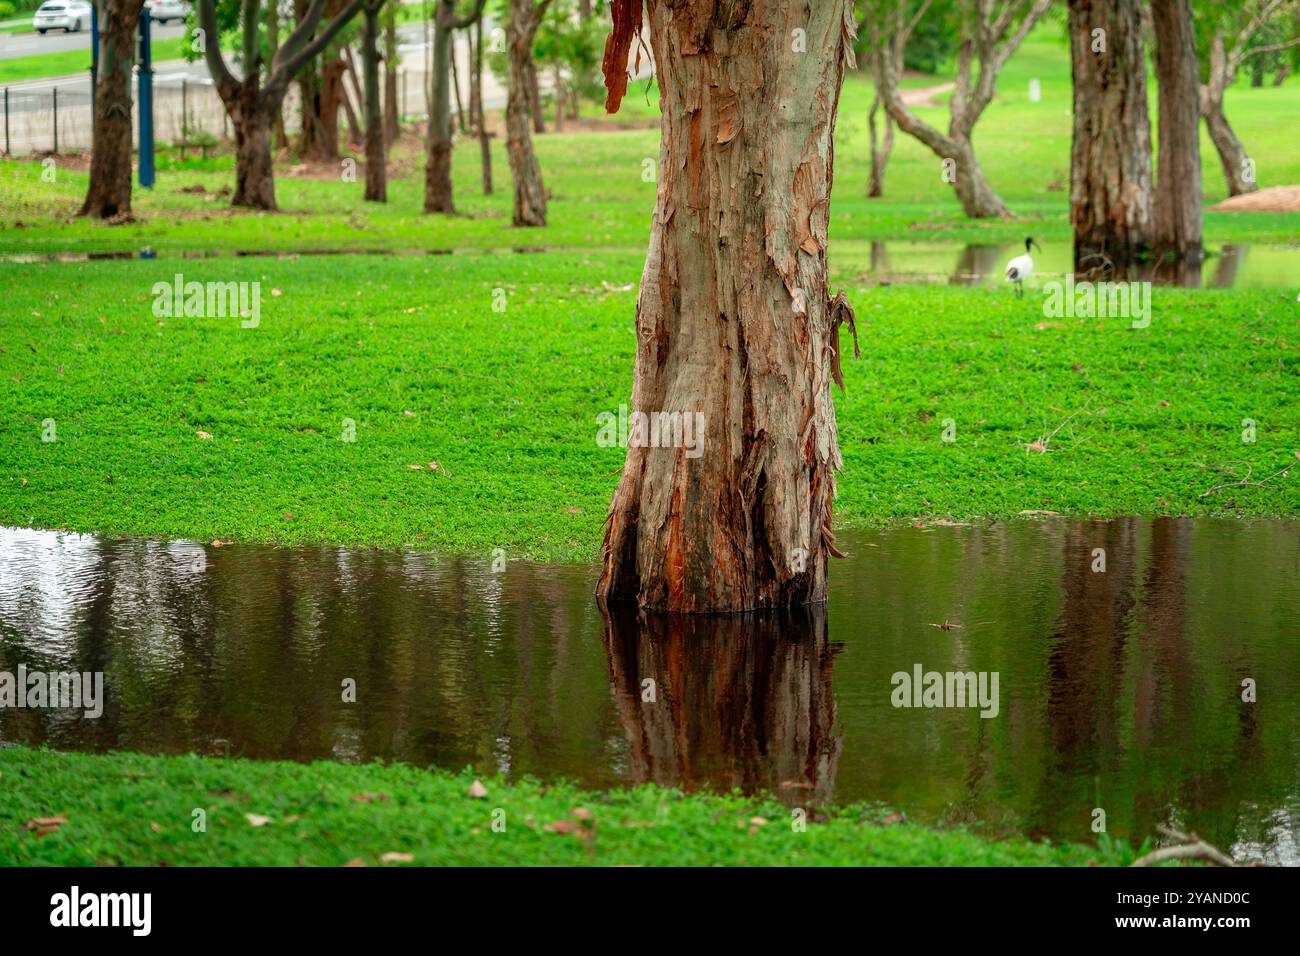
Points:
(221, 74)
(292, 63)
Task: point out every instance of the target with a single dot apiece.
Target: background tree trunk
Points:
(734, 320)
(484, 146)
(376, 167)
(108, 194)
(1232, 155)
(1178, 176)
(437, 170)
(392, 109)
(326, 145)
(1110, 157)
(880, 150)
(254, 182)
(534, 93)
(530, 195)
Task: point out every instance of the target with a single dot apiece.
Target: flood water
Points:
(1119, 689)
(893, 262)
(1231, 266)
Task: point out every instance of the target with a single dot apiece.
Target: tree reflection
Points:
(726, 701)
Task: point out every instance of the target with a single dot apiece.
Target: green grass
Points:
(506, 402)
(136, 810)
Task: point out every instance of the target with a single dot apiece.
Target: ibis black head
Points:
(1029, 241)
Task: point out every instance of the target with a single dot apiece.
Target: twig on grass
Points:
(1247, 483)
(1189, 847)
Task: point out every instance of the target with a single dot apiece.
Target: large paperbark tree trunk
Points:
(109, 192)
(376, 163)
(530, 194)
(1110, 156)
(1177, 206)
(734, 320)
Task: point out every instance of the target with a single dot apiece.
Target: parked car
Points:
(167, 10)
(70, 16)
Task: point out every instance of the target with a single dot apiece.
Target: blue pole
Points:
(94, 57)
(146, 102)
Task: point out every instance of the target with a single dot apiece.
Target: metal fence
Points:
(187, 113)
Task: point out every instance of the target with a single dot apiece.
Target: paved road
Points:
(31, 43)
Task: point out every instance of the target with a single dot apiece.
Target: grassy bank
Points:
(136, 810)
(498, 409)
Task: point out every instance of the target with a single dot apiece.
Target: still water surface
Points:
(1119, 689)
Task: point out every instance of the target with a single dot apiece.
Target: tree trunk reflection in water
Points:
(739, 700)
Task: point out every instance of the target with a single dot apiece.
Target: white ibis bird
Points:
(1022, 267)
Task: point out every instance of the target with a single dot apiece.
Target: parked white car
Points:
(70, 16)
(165, 10)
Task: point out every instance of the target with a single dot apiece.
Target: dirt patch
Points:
(1273, 199)
(925, 95)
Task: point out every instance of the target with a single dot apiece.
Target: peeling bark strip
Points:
(734, 318)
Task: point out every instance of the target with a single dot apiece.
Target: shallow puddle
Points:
(1119, 647)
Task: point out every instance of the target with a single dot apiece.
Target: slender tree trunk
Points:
(881, 149)
(437, 170)
(1283, 71)
(530, 195)
(484, 146)
(959, 165)
(455, 88)
(1177, 205)
(559, 99)
(326, 145)
(376, 170)
(279, 137)
(309, 101)
(392, 109)
(347, 94)
(109, 192)
(534, 94)
(1232, 155)
(735, 324)
(1110, 158)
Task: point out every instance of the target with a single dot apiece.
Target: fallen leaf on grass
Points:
(565, 826)
(356, 861)
(369, 797)
(394, 857)
(155, 827)
(581, 813)
(42, 826)
(204, 435)
(476, 790)
(257, 820)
